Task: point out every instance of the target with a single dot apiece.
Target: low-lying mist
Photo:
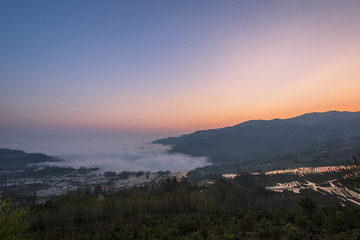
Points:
(115, 152)
(148, 157)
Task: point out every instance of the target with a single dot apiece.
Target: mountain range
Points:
(256, 139)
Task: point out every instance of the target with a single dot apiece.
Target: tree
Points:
(13, 222)
(350, 174)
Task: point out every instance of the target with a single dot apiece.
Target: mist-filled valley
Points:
(108, 151)
(119, 185)
(179, 120)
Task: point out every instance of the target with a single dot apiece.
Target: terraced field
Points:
(318, 179)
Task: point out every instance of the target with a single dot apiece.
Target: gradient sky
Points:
(175, 65)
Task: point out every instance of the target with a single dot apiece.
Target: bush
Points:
(13, 222)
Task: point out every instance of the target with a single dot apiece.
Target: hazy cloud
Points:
(148, 157)
(116, 152)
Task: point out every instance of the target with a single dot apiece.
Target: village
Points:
(45, 187)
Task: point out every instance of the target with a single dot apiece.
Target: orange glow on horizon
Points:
(184, 75)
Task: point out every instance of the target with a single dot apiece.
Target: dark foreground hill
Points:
(259, 138)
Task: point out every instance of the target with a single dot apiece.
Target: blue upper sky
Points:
(175, 64)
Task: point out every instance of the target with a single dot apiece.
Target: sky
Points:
(174, 66)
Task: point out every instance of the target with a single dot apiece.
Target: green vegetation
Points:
(227, 209)
(13, 222)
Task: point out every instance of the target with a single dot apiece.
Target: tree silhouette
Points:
(350, 174)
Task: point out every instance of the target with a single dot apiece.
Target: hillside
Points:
(11, 160)
(263, 138)
(238, 208)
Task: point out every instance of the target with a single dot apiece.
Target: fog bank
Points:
(115, 152)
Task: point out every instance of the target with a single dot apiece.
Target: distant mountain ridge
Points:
(13, 160)
(318, 117)
(259, 138)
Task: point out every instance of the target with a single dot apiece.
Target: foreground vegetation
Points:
(227, 209)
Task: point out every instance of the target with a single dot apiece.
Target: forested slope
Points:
(177, 210)
(259, 138)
